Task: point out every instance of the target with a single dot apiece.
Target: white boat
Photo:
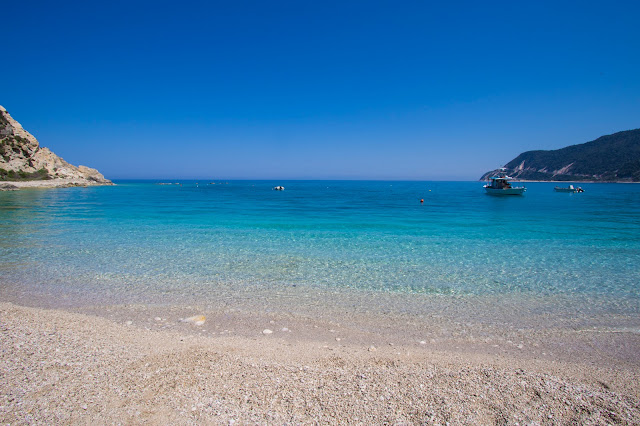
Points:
(500, 184)
(570, 188)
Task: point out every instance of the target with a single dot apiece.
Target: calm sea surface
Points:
(318, 244)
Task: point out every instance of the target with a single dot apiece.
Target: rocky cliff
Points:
(23, 159)
(610, 158)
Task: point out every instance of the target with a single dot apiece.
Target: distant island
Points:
(24, 163)
(610, 158)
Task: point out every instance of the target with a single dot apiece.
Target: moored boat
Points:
(500, 184)
(570, 188)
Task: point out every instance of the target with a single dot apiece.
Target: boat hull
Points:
(570, 190)
(505, 191)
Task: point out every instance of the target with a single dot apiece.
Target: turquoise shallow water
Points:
(140, 242)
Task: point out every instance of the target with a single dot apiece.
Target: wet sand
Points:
(71, 367)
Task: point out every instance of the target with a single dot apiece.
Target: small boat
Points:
(278, 188)
(500, 185)
(570, 188)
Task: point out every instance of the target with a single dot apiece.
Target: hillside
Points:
(23, 159)
(610, 158)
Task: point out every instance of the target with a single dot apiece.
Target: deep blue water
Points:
(140, 240)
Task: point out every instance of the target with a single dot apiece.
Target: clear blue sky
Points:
(317, 89)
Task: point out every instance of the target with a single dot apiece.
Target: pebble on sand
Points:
(266, 331)
(195, 320)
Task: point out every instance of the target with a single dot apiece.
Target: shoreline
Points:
(568, 181)
(62, 366)
(50, 183)
(573, 181)
(590, 329)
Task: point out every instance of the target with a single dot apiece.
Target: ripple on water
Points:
(369, 243)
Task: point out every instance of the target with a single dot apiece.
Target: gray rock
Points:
(7, 187)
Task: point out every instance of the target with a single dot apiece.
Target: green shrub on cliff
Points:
(12, 175)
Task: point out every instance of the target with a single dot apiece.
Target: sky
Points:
(398, 90)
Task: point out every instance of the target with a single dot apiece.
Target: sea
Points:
(428, 261)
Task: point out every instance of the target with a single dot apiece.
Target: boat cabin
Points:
(500, 182)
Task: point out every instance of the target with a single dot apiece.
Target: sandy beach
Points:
(65, 367)
(51, 183)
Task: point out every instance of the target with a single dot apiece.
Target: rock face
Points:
(610, 158)
(22, 159)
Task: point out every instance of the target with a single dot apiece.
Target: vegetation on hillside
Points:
(16, 145)
(12, 175)
(613, 157)
(13, 145)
